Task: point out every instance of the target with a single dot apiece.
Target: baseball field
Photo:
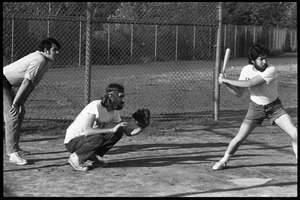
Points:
(171, 158)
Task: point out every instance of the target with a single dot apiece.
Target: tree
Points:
(290, 15)
(268, 14)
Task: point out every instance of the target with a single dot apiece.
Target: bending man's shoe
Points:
(16, 159)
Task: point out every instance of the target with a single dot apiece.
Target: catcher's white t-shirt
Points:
(265, 93)
(33, 67)
(102, 116)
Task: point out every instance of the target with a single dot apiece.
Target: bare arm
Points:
(130, 131)
(90, 130)
(237, 87)
(257, 80)
(237, 91)
(24, 91)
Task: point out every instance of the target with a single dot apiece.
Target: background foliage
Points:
(269, 14)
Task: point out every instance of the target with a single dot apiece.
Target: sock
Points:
(226, 158)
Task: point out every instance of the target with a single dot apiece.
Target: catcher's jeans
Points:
(86, 146)
(12, 124)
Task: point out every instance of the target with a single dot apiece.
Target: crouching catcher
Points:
(86, 138)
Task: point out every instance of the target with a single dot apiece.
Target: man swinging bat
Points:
(87, 140)
(261, 79)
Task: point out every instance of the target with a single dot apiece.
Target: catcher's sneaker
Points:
(16, 159)
(73, 160)
(219, 166)
(95, 160)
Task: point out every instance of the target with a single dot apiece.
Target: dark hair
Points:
(110, 98)
(114, 87)
(47, 43)
(255, 51)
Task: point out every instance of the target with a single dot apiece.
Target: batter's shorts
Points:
(257, 113)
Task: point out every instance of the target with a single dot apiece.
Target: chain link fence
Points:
(162, 52)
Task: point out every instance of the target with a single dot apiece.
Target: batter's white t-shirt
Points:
(101, 116)
(265, 93)
(33, 67)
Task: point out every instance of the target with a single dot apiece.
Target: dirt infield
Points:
(170, 159)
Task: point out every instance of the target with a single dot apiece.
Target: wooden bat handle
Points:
(226, 58)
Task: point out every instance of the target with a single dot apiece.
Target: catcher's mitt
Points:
(142, 116)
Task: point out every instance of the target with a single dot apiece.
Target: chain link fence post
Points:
(218, 64)
(87, 59)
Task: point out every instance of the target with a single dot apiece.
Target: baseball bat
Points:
(226, 58)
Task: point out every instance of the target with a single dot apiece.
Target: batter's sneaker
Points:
(219, 166)
(16, 159)
(74, 161)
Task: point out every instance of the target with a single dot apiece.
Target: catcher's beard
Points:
(114, 101)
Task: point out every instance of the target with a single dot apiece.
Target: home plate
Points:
(250, 181)
(190, 128)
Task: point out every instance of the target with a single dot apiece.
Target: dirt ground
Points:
(172, 158)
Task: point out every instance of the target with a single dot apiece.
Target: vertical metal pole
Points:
(108, 43)
(260, 35)
(295, 38)
(48, 22)
(209, 42)
(176, 43)
(246, 30)
(87, 58)
(284, 37)
(254, 35)
(280, 40)
(218, 64)
(235, 39)
(274, 39)
(283, 34)
(12, 40)
(194, 43)
(155, 43)
(291, 40)
(270, 37)
(277, 39)
(131, 43)
(225, 35)
(79, 58)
